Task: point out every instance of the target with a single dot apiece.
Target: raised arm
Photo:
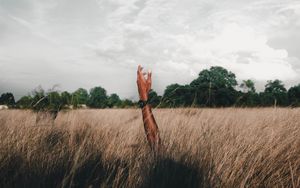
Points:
(150, 126)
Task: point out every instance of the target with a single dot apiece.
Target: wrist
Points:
(144, 97)
(142, 103)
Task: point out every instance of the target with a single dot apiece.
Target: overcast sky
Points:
(86, 43)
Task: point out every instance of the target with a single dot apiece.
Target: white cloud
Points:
(104, 40)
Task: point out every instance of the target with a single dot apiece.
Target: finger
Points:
(149, 77)
(140, 73)
(139, 69)
(149, 80)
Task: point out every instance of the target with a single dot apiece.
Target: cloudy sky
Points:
(77, 43)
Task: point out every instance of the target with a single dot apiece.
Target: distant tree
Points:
(275, 86)
(55, 102)
(249, 99)
(225, 97)
(97, 98)
(187, 96)
(294, 96)
(80, 96)
(25, 102)
(274, 94)
(218, 76)
(247, 86)
(127, 103)
(66, 98)
(214, 87)
(7, 99)
(247, 96)
(114, 101)
(154, 99)
(39, 99)
(169, 96)
(176, 95)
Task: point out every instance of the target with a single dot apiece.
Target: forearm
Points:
(150, 127)
(148, 117)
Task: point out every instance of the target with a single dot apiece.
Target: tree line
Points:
(214, 87)
(39, 99)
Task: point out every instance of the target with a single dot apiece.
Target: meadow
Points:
(230, 147)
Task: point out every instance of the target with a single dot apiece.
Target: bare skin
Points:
(150, 126)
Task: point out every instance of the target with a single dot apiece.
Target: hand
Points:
(144, 85)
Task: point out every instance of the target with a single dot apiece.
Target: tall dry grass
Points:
(108, 148)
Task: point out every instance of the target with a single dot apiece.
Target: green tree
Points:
(7, 99)
(170, 96)
(214, 87)
(274, 94)
(55, 102)
(114, 101)
(247, 86)
(249, 99)
(25, 102)
(154, 98)
(247, 96)
(80, 96)
(66, 98)
(127, 103)
(176, 95)
(97, 98)
(294, 96)
(39, 99)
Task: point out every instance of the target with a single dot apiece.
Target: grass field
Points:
(107, 148)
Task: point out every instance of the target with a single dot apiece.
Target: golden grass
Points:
(107, 148)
